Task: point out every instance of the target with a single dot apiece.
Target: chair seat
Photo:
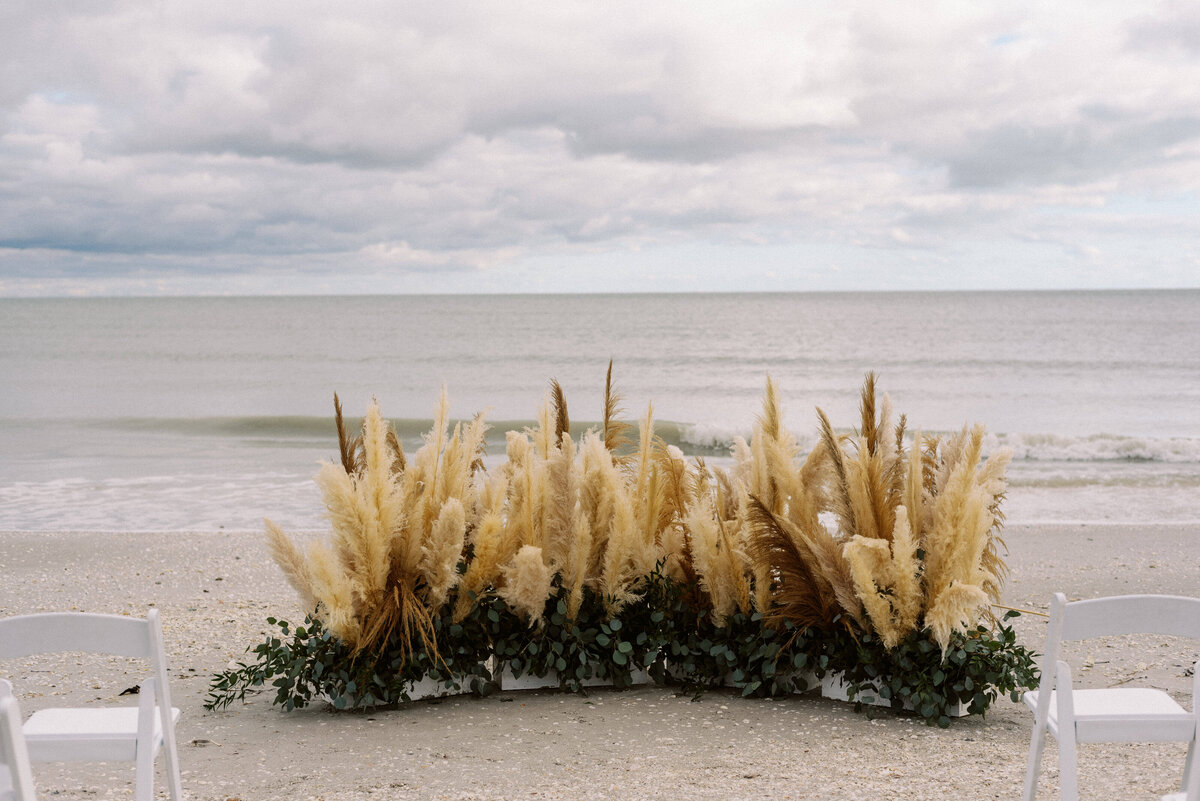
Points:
(1123, 714)
(87, 735)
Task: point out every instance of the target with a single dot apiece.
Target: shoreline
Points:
(1065, 525)
(215, 590)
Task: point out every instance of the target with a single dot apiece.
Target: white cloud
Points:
(422, 143)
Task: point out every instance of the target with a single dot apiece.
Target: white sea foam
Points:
(161, 503)
(711, 436)
(1100, 448)
(1025, 447)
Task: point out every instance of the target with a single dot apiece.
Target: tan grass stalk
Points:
(736, 564)
(484, 568)
(347, 445)
(886, 580)
(773, 452)
(762, 572)
(742, 471)
(645, 453)
(293, 564)
(562, 423)
(462, 456)
(337, 596)
(398, 462)
(676, 543)
(380, 503)
(863, 488)
(650, 507)
(762, 482)
(527, 583)
(441, 553)
(957, 607)
(994, 484)
(677, 488)
(712, 564)
(543, 434)
(575, 570)
(726, 494)
(839, 499)
(833, 570)
(955, 544)
(914, 493)
(627, 559)
(909, 596)
(561, 502)
(614, 432)
(526, 490)
(802, 594)
(809, 490)
(600, 485)
(870, 561)
(344, 513)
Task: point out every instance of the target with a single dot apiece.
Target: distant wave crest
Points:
(694, 439)
(1100, 448)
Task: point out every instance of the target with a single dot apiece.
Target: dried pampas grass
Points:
(869, 530)
(887, 580)
(614, 432)
(397, 532)
(720, 564)
(963, 570)
(527, 583)
(813, 587)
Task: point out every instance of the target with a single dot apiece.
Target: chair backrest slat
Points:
(56, 632)
(1132, 614)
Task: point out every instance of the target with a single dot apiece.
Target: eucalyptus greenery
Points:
(595, 645)
(308, 663)
(661, 633)
(976, 668)
(742, 652)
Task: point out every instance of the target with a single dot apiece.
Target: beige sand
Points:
(215, 590)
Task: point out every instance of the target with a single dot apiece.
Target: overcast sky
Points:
(291, 147)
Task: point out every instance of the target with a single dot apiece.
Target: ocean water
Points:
(206, 413)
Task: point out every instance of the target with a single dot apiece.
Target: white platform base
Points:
(550, 681)
(428, 688)
(834, 688)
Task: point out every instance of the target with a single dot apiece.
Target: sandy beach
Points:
(216, 589)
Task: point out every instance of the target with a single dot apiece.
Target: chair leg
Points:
(1036, 744)
(1191, 775)
(144, 750)
(1068, 769)
(171, 762)
(145, 773)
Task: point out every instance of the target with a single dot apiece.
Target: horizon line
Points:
(581, 293)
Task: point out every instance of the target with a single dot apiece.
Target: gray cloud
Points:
(427, 138)
(1077, 153)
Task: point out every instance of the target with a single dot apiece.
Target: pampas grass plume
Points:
(292, 562)
(527, 583)
(575, 571)
(440, 554)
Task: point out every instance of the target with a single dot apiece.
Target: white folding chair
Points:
(101, 734)
(16, 780)
(1119, 714)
